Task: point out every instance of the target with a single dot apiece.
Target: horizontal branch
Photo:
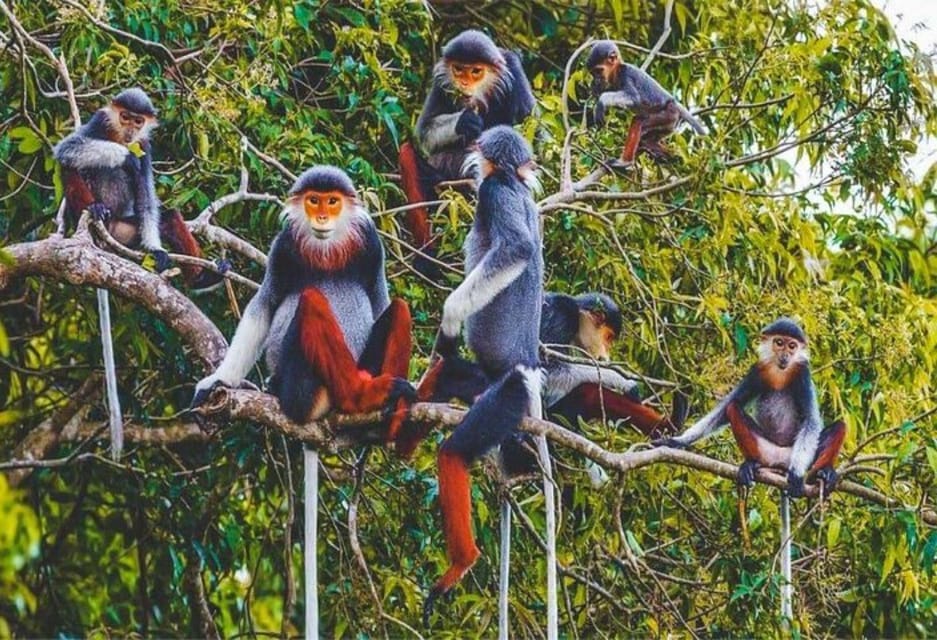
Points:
(339, 432)
(77, 261)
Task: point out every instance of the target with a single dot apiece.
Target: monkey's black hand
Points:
(598, 118)
(470, 125)
(446, 346)
(99, 211)
(201, 394)
(162, 260)
(795, 485)
(223, 265)
(746, 475)
(829, 477)
(673, 443)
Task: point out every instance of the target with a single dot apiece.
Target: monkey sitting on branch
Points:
(107, 169)
(786, 431)
(617, 84)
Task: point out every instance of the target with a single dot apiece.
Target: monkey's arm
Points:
(437, 127)
(377, 291)
(252, 330)
(145, 203)
(563, 377)
(808, 437)
(747, 389)
(523, 100)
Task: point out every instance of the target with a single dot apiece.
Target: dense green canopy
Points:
(799, 202)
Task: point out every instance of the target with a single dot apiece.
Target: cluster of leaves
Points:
(798, 202)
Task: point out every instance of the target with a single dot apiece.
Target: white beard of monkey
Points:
(331, 252)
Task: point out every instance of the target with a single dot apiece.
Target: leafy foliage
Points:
(798, 202)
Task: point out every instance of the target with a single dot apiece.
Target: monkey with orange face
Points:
(475, 86)
(333, 337)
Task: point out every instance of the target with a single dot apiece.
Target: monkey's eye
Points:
(612, 56)
(139, 120)
(313, 199)
(477, 72)
(792, 345)
(124, 116)
(779, 342)
(333, 201)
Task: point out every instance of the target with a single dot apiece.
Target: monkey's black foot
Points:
(829, 477)
(99, 211)
(400, 389)
(209, 280)
(162, 260)
(201, 395)
(795, 485)
(673, 443)
(746, 474)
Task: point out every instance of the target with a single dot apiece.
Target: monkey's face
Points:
(128, 126)
(323, 211)
(595, 336)
(472, 80)
(604, 71)
(782, 351)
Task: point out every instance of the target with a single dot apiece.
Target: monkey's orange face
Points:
(323, 210)
(471, 79)
(595, 336)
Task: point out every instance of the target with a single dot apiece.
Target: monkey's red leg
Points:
(417, 219)
(323, 344)
(388, 352)
(745, 431)
(657, 126)
(77, 196)
(588, 399)
(831, 441)
(493, 418)
(632, 141)
(175, 233)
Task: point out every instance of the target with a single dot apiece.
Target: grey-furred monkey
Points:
(333, 337)
(624, 86)
(786, 431)
(499, 303)
(107, 169)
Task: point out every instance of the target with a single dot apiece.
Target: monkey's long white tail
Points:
(310, 515)
(115, 419)
(787, 587)
(505, 574)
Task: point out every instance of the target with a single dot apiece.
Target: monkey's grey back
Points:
(507, 331)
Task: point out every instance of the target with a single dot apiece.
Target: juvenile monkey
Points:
(107, 169)
(475, 86)
(786, 430)
(625, 86)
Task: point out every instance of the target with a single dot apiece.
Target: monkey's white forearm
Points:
(440, 133)
(245, 346)
(707, 424)
(476, 291)
(562, 378)
(149, 232)
(617, 99)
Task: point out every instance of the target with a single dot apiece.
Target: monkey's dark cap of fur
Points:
(600, 51)
(785, 327)
(504, 147)
(135, 100)
(600, 302)
(323, 178)
(473, 46)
